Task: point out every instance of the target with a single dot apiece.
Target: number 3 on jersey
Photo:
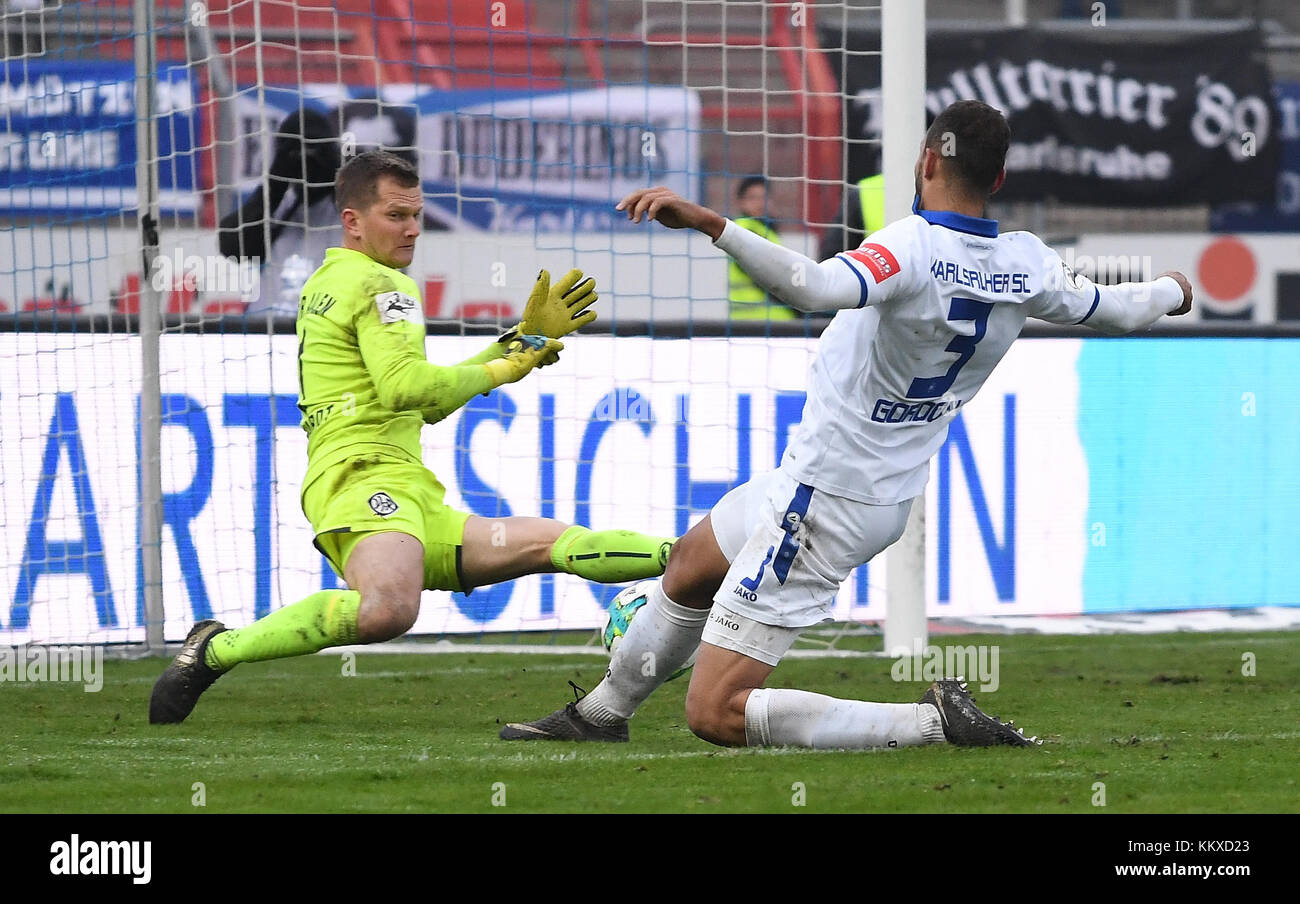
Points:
(964, 346)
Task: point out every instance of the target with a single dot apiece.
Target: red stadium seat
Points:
(301, 40)
(444, 44)
(467, 44)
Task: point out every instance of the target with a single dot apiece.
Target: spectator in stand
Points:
(748, 300)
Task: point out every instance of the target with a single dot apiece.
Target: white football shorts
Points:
(790, 547)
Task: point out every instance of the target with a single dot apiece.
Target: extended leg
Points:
(501, 549)
(386, 573)
(663, 636)
(727, 705)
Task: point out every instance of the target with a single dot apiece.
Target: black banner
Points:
(1154, 855)
(1098, 115)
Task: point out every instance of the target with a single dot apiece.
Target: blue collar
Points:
(958, 221)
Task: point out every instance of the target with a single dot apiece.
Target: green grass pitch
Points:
(1168, 723)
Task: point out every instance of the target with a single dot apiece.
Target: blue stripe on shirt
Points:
(1096, 297)
(861, 281)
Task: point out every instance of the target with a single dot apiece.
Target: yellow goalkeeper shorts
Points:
(375, 494)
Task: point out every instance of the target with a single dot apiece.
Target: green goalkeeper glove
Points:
(557, 310)
(522, 355)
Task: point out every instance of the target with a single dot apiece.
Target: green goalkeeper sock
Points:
(610, 556)
(324, 619)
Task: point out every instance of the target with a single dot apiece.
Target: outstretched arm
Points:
(435, 413)
(796, 279)
(405, 381)
(1133, 306)
(551, 311)
(1068, 297)
(494, 351)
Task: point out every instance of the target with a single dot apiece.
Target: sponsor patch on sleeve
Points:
(395, 306)
(878, 259)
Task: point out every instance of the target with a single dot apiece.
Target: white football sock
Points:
(780, 717)
(660, 639)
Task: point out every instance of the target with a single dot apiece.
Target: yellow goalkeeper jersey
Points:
(364, 384)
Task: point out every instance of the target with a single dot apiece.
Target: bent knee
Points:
(702, 719)
(695, 571)
(384, 617)
(717, 719)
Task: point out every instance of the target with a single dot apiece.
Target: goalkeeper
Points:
(365, 390)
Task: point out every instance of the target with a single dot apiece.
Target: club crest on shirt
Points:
(382, 504)
(395, 306)
(1072, 279)
(878, 259)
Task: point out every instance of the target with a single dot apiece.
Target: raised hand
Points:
(556, 310)
(667, 207)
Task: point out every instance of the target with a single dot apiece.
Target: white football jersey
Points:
(943, 297)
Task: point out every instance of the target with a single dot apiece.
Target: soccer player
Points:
(365, 390)
(927, 306)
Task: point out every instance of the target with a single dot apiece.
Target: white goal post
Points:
(902, 72)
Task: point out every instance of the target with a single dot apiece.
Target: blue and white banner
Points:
(68, 143)
(506, 161)
(1088, 475)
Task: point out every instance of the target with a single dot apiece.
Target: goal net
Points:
(151, 454)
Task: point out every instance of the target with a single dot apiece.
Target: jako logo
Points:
(102, 858)
(725, 622)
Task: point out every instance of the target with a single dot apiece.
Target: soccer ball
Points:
(622, 609)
